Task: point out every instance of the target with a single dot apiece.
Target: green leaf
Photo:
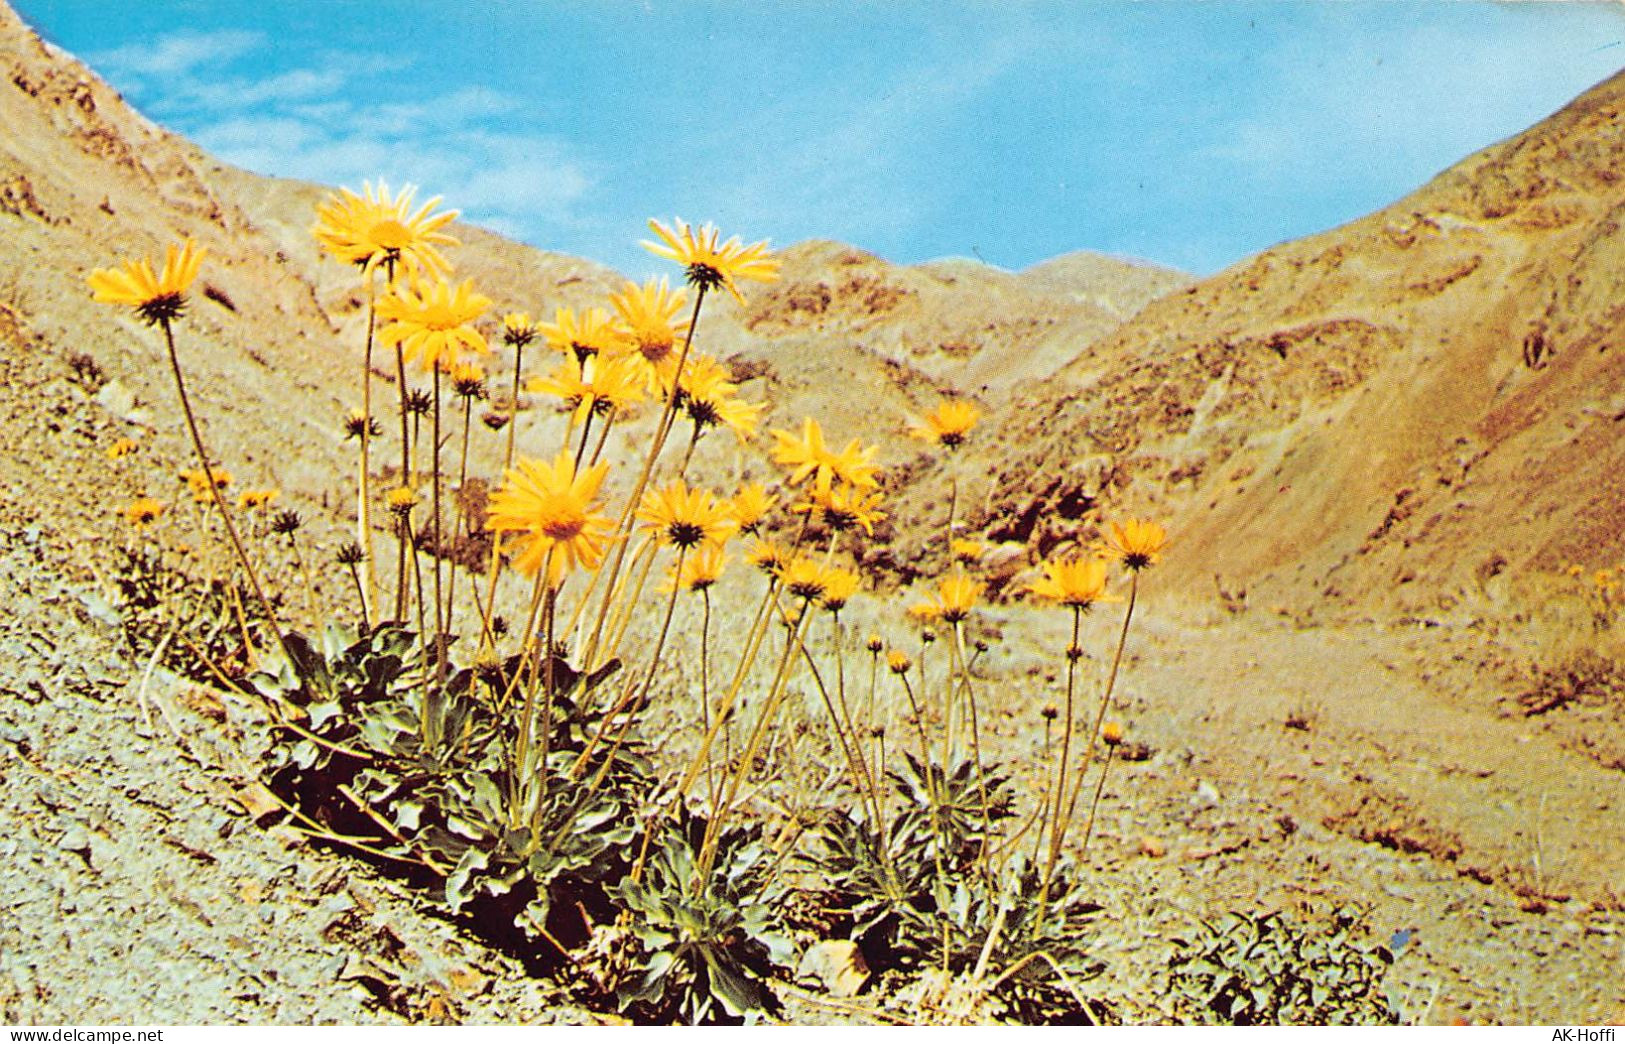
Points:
(651, 986)
(737, 993)
(457, 882)
(408, 814)
(323, 712)
(465, 828)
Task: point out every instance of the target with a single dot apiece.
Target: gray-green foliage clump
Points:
(916, 894)
(1252, 969)
(418, 769)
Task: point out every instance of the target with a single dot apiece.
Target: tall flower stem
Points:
(874, 679)
(868, 773)
(659, 442)
(770, 706)
(513, 415)
(585, 601)
(1064, 816)
(363, 521)
(487, 638)
(1105, 700)
(304, 570)
(845, 734)
(586, 430)
(705, 676)
(214, 491)
(643, 565)
(603, 436)
(550, 692)
(361, 594)
(409, 544)
(519, 771)
(459, 518)
(930, 777)
(665, 629)
(402, 578)
(1068, 723)
(401, 583)
(958, 653)
(753, 644)
(439, 545)
(1094, 805)
(634, 698)
(688, 454)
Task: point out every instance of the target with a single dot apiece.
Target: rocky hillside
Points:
(1388, 415)
(273, 340)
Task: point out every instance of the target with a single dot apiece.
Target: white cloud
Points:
(522, 182)
(177, 53)
(305, 123)
(292, 86)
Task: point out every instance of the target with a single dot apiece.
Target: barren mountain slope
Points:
(1388, 414)
(85, 180)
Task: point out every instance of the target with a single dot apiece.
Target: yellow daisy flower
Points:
(357, 424)
(552, 509)
(924, 613)
(700, 570)
(1075, 582)
(434, 323)
(467, 380)
(249, 499)
(967, 552)
(844, 508)
(709, 263)
(613, 384)
(157, 298)
(401, 500)
(839, 587)
(684, 517)
(517, 329)
(809, 456)
(956, 596)
(748, 507)
(198, 481)
(898, 662)
(122, 448)
(591, 333)
(948, 424)
(1138, 544)
(805, 578)
(768, 555)
(143, 511)
(379, 230)
(649, 313)
(709, 399)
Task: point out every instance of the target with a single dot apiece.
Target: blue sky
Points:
(1189, 134)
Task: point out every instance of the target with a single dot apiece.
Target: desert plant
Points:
(1252, 969)
(706, 942)
(200, 629)
(510, 769)
(918, 896)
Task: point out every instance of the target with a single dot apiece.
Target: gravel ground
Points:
(136, 889)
